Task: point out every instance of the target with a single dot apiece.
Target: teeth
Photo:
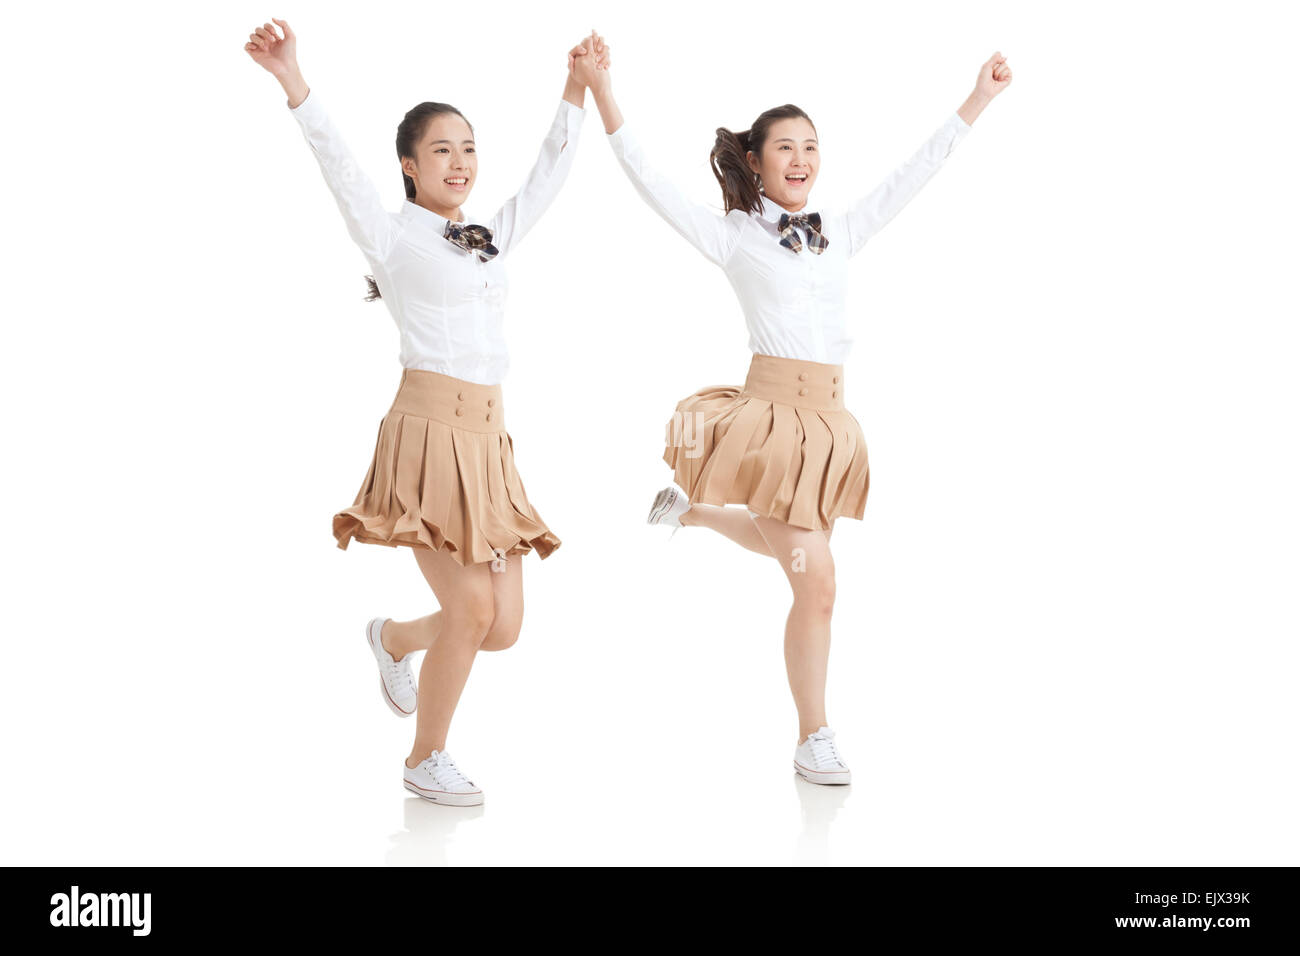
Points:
(460, 181)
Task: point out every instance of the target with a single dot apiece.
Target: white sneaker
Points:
(436, 778)
(395, 679)
(817, 760)
(669, 505)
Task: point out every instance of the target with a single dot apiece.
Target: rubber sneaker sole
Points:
(833, 777)
(663, 504)
(445, 797)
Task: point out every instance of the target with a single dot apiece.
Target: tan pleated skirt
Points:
(783, 444)
(443, 477)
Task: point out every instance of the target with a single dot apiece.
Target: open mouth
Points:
(457, 182)
(797, 179)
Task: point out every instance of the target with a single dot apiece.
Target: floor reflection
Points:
(818, 804)
(427, 831)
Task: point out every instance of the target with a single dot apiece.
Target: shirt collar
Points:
(413, 210)
(772, 211)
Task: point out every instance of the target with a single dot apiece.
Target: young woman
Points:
(442, 480)
(784, 445)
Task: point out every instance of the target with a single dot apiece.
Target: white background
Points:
(1065, 629)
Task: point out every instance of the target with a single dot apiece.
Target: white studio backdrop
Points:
(1065, 629)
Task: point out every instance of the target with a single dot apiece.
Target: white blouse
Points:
(448, 305)
(794, 303)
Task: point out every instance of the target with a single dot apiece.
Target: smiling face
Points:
(445, 166)
(788, 163)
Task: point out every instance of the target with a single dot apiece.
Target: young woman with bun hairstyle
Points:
(442, 479)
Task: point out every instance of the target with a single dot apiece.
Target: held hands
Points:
(995, 76)
(277, 55)
(589, 63)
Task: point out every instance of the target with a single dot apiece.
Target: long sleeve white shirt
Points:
(794, 303)
(448, 305)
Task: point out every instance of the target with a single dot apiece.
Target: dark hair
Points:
(409, 133)
(741, 186)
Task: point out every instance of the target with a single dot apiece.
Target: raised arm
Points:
(713, 235)
(868, 215)
(521, 211)
(368, 221)
(513, 220)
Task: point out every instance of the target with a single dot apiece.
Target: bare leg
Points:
(465, 595)
(402, 637)
(805, 557)
(507, 604)
(734, 523)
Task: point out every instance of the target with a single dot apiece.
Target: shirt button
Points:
(803, 391)
(459, 410)
(833, 394)
(490, 402)
(489, 416)
(836, 379)
(803, 376)
(460, 396)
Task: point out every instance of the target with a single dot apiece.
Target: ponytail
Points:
(740, 184)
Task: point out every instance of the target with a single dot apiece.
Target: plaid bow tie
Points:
(472, 238)
(811, 222)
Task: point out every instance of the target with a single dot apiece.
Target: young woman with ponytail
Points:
(442, 479)
(784, 444)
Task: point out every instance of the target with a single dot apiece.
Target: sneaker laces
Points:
(396, 674)
(400, 675)
(823, 749)
(445, 771)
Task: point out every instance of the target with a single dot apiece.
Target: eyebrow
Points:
(437, 141)
(787, 139)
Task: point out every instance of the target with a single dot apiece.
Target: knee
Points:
(473, 619)
(503, 633)
(817, 596)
